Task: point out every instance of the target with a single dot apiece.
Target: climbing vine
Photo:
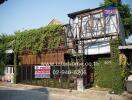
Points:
(36, 40)
(111, 75)
(117, 78)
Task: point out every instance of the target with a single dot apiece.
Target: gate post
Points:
(80, 86)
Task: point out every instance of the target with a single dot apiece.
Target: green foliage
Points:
(125, 14)
(117, 79)
(103, 73)
(35, 40)
(15, 68)
(114, 50)
(54, 83)
(38, 39)
(2, 67)
(5, 43)
(109, 73)
(111, 2)
(124, 65)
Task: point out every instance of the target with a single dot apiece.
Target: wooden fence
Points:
(54, 58)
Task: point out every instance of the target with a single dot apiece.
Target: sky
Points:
(28, 14)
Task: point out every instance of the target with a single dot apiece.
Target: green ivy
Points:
(117, 78)
(36, 40)
(111, 75)
(103, 73)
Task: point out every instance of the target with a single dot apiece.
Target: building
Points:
(93, 29)
(9, 69)
(86, 38)
(89, 33)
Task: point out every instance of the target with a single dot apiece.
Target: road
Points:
(39, 94)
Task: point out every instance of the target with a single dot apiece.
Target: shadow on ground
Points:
(33, 94)
(44, 90)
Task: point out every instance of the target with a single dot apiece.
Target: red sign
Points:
(42, 71)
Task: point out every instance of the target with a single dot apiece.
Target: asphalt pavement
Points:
(10, 91)
(15, 94)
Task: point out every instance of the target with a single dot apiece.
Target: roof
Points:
(72, 15)
(55, 21)
(125, 47)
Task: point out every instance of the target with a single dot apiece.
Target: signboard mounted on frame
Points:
(109, 11)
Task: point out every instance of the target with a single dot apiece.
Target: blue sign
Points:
(42, 76)
(109, 11)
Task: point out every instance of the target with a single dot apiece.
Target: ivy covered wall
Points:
(36, 40)
(110, 72)
(103, 73)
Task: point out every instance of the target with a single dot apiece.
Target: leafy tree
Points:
(5, 42)
(125, 13)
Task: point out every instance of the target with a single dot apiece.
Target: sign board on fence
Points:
(42, 71)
